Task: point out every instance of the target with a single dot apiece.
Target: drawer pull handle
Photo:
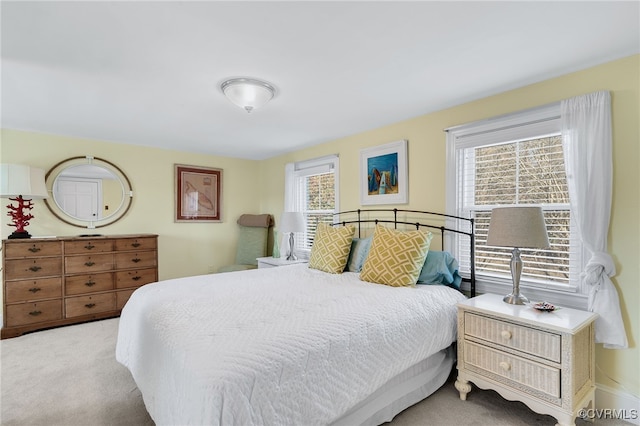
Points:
(89, 305)
(506, 334)
(35, 289)
(34, 249)
(35, 313)
(90, 283)
(89, 246)
(35, 268)
(136, 278)
(89, 263)
(505, 366)
(136, 260)
(136, 245)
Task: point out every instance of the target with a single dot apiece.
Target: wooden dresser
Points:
(50, 282)
(544, 359)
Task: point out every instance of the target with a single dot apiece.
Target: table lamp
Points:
(517, 227)
(292, 222)
(21, 184)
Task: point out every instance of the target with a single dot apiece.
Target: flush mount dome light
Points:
(248, 93)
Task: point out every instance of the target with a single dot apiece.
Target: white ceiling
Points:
(148, 73)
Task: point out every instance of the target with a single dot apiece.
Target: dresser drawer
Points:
(529, 340)
(122, 297)
(30, 290)
(135, 278)
(518, 371)
(136, 244)
(32, 268)
(29, 313)
(33, 248)
(88, 246)
(83, 284)
(136, 259)
(87, 305)
(88, 264)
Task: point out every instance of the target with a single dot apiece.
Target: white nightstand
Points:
(543, 359)
(274, 262)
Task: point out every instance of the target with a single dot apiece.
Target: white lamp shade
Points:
(521, 227)
(247, 93)
(18, 179)
(292, 222)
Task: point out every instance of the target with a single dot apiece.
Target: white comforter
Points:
(278, 346)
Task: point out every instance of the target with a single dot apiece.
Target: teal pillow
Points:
(440, 267)
(359, 251)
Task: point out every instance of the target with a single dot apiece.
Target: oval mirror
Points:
(88, 192)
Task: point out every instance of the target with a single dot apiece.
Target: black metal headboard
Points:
(339, 219)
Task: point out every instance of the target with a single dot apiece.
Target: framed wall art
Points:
(383, 174)
(198, 192)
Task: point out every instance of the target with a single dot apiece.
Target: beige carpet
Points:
(69, 376)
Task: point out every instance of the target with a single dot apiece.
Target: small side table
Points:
(544, 359)
(274, 262)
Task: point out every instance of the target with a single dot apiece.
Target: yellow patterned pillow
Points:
(331, 248)
(396, 257)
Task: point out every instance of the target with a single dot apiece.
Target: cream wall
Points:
(184, 248)
(616, 369)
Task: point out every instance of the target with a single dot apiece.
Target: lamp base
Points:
(515, 299)
(19, 235)
(290, 255)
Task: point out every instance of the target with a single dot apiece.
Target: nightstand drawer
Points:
(529, 340)
(518, 371)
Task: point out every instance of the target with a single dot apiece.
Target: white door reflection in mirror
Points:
(84, 192)
(79, 198)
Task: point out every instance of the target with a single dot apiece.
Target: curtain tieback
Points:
(600, 262)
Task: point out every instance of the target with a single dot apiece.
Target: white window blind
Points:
(508, 161)
(312, 187)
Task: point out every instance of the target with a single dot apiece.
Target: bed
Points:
(291, 345)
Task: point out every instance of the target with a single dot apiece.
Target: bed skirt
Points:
(404, 390)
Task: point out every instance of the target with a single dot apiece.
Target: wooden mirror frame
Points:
(123, 208)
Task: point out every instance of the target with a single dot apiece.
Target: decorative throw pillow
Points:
(440, 267)
(396, 257)
(331, 248)
(359, 251)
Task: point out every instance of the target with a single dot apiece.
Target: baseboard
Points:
(621, 405)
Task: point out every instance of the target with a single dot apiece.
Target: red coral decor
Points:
(20, 219)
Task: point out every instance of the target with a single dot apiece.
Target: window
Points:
(507, 161)
(311, 187)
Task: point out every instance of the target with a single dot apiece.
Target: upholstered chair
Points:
(253, 241)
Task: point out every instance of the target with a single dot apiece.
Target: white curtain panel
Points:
(586, 136)
(289, 204)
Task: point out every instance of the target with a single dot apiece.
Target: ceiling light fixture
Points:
(248, 93)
